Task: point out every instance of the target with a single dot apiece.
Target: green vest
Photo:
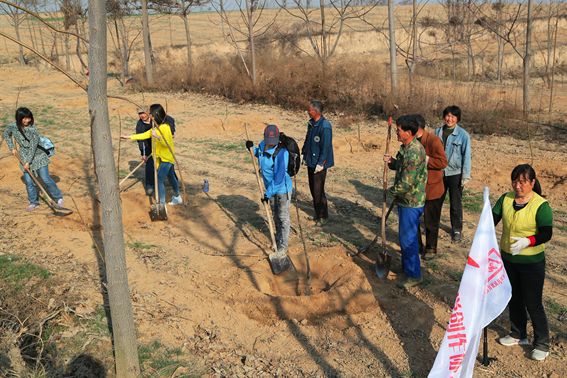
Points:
(521, 223)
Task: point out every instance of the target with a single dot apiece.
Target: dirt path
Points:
(201, 281)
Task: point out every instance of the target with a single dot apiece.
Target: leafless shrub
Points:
(357, 88)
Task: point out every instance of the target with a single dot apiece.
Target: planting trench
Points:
(337, 287)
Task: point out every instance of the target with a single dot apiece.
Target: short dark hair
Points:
(528, 172)
(317, 105)
(408, 123)
(158, 112)
(22, 113)
(420, 120)
(454, 110)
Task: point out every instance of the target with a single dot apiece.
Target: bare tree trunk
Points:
(251, 39)
(413, 65)
(17, 30)
(146, 36)
(126, 46)
(40, 30)
(527, 58)
(188, 36)
(32, 37)
(120, 55)
(67, 58)
(221, 2)
(393, 61)
(124, 332)
(323, 36)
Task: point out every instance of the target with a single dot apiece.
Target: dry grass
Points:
(357, 88)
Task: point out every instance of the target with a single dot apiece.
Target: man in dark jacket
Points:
(318, 156)
(145, 145)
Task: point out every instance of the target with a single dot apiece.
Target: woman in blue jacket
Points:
(276, 180)
(457, 143)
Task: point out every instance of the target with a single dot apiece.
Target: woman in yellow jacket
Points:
(165, 160)
(527, 223)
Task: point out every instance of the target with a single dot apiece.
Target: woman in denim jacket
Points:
(457, 144)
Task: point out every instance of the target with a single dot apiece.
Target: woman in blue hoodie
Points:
(276, 180)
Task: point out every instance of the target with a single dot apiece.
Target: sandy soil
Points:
(201, 281)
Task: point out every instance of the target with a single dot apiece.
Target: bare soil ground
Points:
(201, 281)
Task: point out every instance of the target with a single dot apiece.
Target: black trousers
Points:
(317, 188)
(453, 185)
(150, 177)
(432, 218)
(527, 291)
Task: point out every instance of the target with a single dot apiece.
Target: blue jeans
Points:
(280, 212)
(167, 169)
(409, 221)
(49, 183)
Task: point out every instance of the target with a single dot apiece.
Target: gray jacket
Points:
(28, 152)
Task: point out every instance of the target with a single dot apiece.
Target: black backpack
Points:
(294, 162)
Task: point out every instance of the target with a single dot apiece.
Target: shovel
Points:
(131, 173)
(50, 202)
(157, 210)
(373, 243)
(279, 262)
(383, 259)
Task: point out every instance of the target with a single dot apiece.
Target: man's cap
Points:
(271, 135)
(143, 109)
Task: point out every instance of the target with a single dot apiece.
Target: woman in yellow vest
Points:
(165, 160)
(527, 223)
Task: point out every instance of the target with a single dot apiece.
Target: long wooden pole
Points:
(385, 188)
(261, 188)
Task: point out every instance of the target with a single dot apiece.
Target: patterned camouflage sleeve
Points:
(405, 176)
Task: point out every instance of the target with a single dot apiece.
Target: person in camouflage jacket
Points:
(409, 193)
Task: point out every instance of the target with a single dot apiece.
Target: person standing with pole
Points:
(409, 193)
(318, 155)
(527, 224)
(273, 164)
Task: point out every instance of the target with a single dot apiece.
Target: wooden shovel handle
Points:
(131, 173)
(262, 190)
(35, 180)
(385, 188)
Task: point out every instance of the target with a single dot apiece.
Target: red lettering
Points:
(457, 303)
(461, 340)
(455, 362)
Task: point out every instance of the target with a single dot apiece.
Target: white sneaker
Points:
(176, 200)
(539, 355)
(509, 341)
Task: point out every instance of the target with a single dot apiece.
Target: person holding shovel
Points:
(143, 125)
(317, 154)
(409, 193)
(31, 154)
(276, 181)
(165, 160)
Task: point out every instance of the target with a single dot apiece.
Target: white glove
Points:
(519, 245)
(464, 181)
(427, 161)
(318, 168)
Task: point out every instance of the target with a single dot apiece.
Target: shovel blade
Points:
(383, 265)
(279, 262)
(60, 209)
(158, 212)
